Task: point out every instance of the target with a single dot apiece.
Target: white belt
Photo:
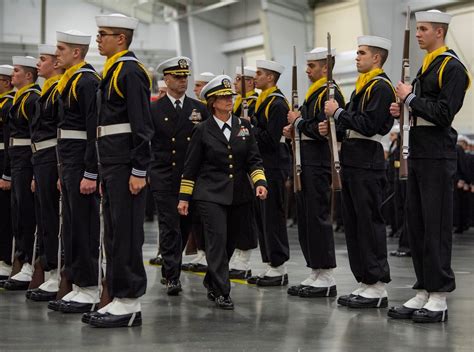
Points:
(354, 134)
(20, 142)
(110, 130)
(2, 146)
(422, 122)
(306, 138)
(72, 134)
(44, 144)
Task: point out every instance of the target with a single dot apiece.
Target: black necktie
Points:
(225, 127)
(178, 106)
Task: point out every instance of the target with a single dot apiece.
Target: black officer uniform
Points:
(77, 156)
(438, 95)
(43, 137)
(313, 203)
(21, 113)
(269, 119)
(6, 101)
(173, 130)
(216, 175)
(364, 178)
(124, 100)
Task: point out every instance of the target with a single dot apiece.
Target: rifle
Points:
(244, 111)
(295, 134)
(335, 163)
(404, 110)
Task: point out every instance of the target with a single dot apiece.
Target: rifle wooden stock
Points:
(244, 111)
(404, 119)
(332, 138)
(295, 135)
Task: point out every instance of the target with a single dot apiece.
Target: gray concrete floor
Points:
(265, 319)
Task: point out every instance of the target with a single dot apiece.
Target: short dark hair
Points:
(82, 48)
(324, 62)
(128, 33)
(210, 102)
(444, 26)
(33, 71)
(276, 75)
(383, 53)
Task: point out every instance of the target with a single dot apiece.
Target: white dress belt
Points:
(19, 142)
(422, 122)
(110, 130)
(353, 134)
(2, 146)
(71, 134)
(49, 143)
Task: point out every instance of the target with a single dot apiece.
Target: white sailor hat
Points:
(162, 84)
(73, 36)
(463, 138)
(27, 61)
(249, 71)
(218, 86)
(270, 65)
(319, 53)
(372, 40)
(6, 70)
(435, 16)
(116, 20)
(204, 77)
(47, 49)
(178, 66)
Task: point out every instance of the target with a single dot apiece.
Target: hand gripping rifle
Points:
(295, 134)
(335, 163)
(404, 110)
(244, 111)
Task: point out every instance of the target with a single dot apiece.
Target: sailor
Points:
(200, 81)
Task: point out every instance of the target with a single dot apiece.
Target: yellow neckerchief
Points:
(364, 78)
(238, 100)
(4, 95)
(314, 87)
(20, 92)
(111, 61)
(264, 95)
(67, 76)
(48, 83)
(429, 57)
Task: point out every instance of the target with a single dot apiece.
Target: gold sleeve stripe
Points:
(185, 188)
(187, 182)
(255, 172)
(258, 177)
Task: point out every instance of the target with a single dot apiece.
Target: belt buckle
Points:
(11, 142)
(58, 134)
(33, 148)
(348, 134)
(99, 131)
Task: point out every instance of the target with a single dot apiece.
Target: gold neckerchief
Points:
(364, 78)
(314, 87)
(429, 57)
(238, 100)
(264, 95)
(111, 61)
(67, 76)
(20, 92)
(48, 83)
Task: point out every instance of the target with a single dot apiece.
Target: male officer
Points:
(19, 152)
(174, 117)
(435, 97)
(365, 120)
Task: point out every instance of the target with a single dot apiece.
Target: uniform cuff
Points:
(337, 113)
(6, 178)
(298, 121)
(90, 176)
(409, 98)
(138, 173)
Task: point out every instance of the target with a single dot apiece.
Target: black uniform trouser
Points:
(248, 237)
(6, 235)
(23, 212)
(124, 214)
(273, 236)
(221, 224)
(314, 218)
(461, 208)
(430, 221)
(46, 177)
(362, 192)
(81, 228)
(174, 231)
(400, 200)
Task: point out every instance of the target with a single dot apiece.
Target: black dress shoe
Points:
(199, 268)
(235, 274)
(3, 277)
(15, 285)
(424, 315)
(312, 292)
(29, 292)
(186, 267)
(294, 290)
(86, 317)
(76, 307)
(401, 312)
(252, 280)
(163, 281)
(108, 320)
(156, 261)
(224, 303)
(2, 283)
(55, 304)
(342, 300)
(400, 254)
(40, 295)
(281, 280)
(211, 295)
(363, 302)
(173, 288)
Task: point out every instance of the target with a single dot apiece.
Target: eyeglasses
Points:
(101, 35)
